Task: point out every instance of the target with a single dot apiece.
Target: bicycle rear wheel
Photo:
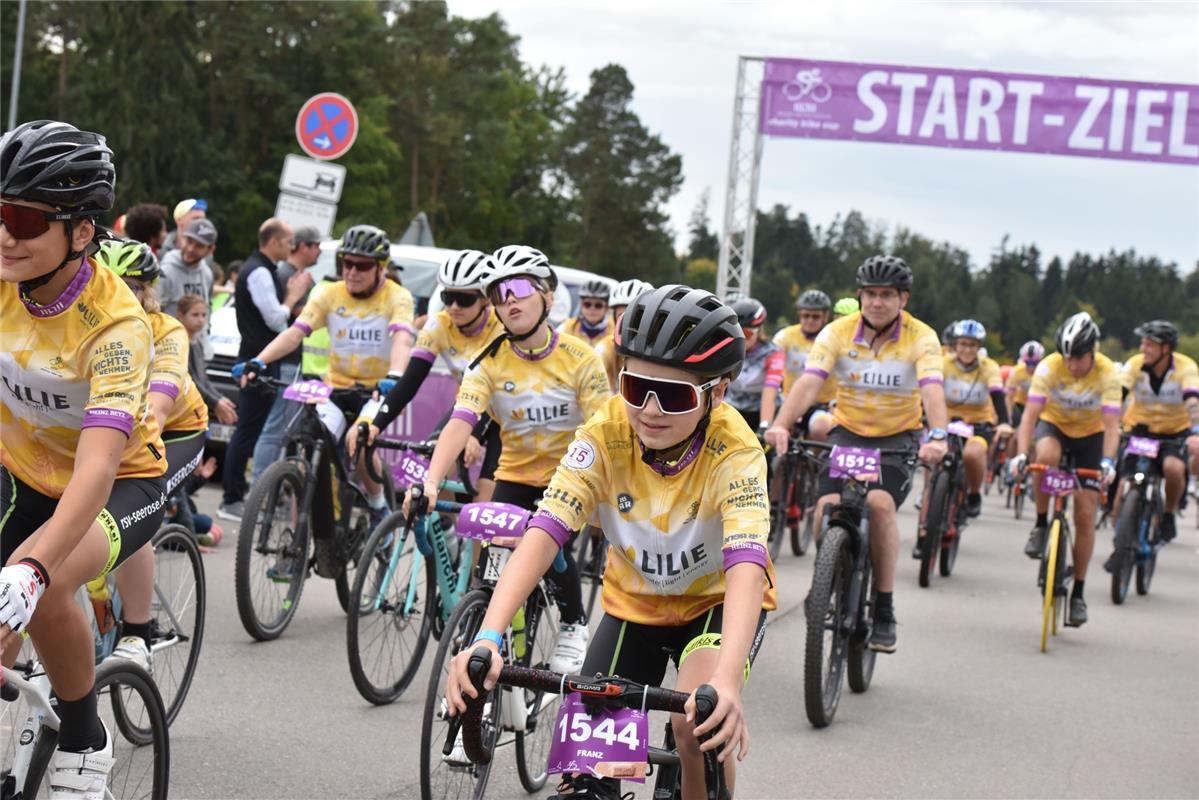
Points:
(781, 507)
(805, 498)
(272, 554)
(827, 640)
(132, 710)
(538, 709)
(177, 614)
(1049, 563)
(935, 522)
(394, 594)
(440, 777)
(1124, 554)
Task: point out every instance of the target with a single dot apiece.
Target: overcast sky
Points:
(682, 58)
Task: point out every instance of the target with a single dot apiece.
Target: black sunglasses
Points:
(461, 299)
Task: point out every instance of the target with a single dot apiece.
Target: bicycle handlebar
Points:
(1080, 471)
(421, 448)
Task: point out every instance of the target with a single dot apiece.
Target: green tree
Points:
(700, 273)
(703, 243)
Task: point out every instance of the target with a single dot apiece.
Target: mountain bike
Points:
(840, 604)
(410, 577)
(943, 516)
(793, 504)
(996, 465)
(306, 493)
(1138, 537)
(597, 692)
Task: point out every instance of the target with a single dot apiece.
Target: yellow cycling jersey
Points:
(538, 399)
(1019, 382)
(796, 345)
(1163, 411)
(1076, 405)
(168, 375)
(878, 394)
(81, 362)
(574, 326)
(673, 531)
(360, 329)
(968, 391)
(606, 350)
(457, 348)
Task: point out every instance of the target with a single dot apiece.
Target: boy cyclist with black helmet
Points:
(678, 478)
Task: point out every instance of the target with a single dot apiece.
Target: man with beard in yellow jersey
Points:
(796, 342)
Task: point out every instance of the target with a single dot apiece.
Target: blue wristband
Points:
(937, 435)
(1106, 462)
(1195, 429)
(495, 637)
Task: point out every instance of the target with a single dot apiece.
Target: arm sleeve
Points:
(739, 481)
(430, 341)
(998, 400)
(574, 490)
(168, 372)
(316, 311)
(1038, 390)
(474, 395)
(262, 292)
(119, 371)
(402, 393)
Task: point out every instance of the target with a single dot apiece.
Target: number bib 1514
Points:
(1056, 482)
(861, 463)
(308, 392)
(612, 743)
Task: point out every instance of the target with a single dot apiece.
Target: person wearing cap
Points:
(186, 270)
(186, 212)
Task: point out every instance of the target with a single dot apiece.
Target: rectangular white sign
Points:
(299, 211)
(316, 180)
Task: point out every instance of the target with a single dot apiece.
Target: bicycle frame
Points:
(35, 689)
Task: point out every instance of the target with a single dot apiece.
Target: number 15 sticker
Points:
(580, 455)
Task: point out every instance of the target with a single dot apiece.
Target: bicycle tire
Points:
(780, 508)
(1018, 502)
(369, 626)
(114, 678)
(460, 631)
(357, 535)
(1145, 570)
(934, 524)
(825, 609)
(1049, 603)
(533, 744)
(591, 560)
(1009, 494)
(801, 533)
(861, 658)
(1123, 556)
(948, 556)
(293, 553)
(175, 663)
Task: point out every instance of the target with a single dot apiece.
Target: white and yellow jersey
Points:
(457, 348)
(968, 391)
(878, 394)
(1076, 405)
(169, 375)
(796, 345)
(574, 326)
(673, 531)
(1163, 411)
(1019, 382)
(82, 362)
(538, 399)
(360, 329)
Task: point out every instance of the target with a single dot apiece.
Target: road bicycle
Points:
(1057, 560)
(306, 493)
(840, 605)
(793, 504)
(411, 575)
(523, 719)
(1138, 536)
(943, 517)
(598, 692)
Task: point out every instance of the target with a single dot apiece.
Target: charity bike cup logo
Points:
(808, 84)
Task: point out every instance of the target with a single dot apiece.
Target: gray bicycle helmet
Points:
(814, 299)
(366, 241)
(599, 290)
(885, 271)
(685, 328)
(750, 313)
(1158, 330)
(1078, 335)
(60, 165)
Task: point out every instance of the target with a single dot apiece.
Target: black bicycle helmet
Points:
(60, 165)
(1078, 335)
(814, 299)
(1158, 330)
(599, 290)
(129, 259)
(750, 313)
(689, 329)
(885, 271)
(366, 241)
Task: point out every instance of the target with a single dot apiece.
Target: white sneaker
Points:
(81, 776)
(133, 648)
(570, 649)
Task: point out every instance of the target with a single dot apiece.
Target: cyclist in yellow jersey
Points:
(594, 322)
(1018, 383)
(624, 293)
(974, 394)
(182, 416)
(1073, 408)
(796, 342)
(1163, 391)
(538, 385)
(81, 482)
(678, 480)
(369, 319)
(846, 306)
(888, 368)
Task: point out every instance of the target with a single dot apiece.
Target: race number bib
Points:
(486, 521)
(308, 392)
(1143, 446)
(612, 743)
(860, 463)
(959, 428)
(1056, 483)
(411, 469)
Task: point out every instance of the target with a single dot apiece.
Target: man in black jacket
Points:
(265, 307)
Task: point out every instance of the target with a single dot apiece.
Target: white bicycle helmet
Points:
(628, 291)
(465, 270)
(519, 259)
(1078, 335)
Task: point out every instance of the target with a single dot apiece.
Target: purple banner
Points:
(981, 110)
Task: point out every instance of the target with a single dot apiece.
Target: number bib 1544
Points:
(613, 743)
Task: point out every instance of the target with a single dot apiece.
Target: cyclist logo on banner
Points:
(807, 85)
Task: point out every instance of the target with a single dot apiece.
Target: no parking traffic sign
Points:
(326, 126)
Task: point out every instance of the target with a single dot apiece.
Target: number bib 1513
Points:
(1056, 482)
(861, 463)
(612, 743)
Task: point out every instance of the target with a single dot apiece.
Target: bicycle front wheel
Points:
(176, 614)
(781, 508)
(131, 708)
(453, 776)
(827, 642)
(533, 713)
(394, 601)
(272, 553)
(1049, 565)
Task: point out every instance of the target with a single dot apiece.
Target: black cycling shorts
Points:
(130, 518)
(491, 458)
(185, 449)
(1087, 451)
(1173, 445)
(896, 478)
(1017, 414)
(640, 652)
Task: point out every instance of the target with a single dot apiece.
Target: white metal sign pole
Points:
(741, 192)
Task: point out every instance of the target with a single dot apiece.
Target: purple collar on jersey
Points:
(859, 336)
(674, 469)
(549, 348)
(66, 299)
(483, 320)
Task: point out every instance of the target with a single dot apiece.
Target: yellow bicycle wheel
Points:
(1049, 610)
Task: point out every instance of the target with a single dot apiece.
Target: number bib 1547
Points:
(613, 743)
(861, 463)
(485, 521)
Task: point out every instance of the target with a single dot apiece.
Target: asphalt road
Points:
(967, 707)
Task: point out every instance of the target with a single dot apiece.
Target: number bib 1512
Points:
(612, 743)
(485, 521)
(861, 463)
(308, 392)
(959, 428)
(1056, 482)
